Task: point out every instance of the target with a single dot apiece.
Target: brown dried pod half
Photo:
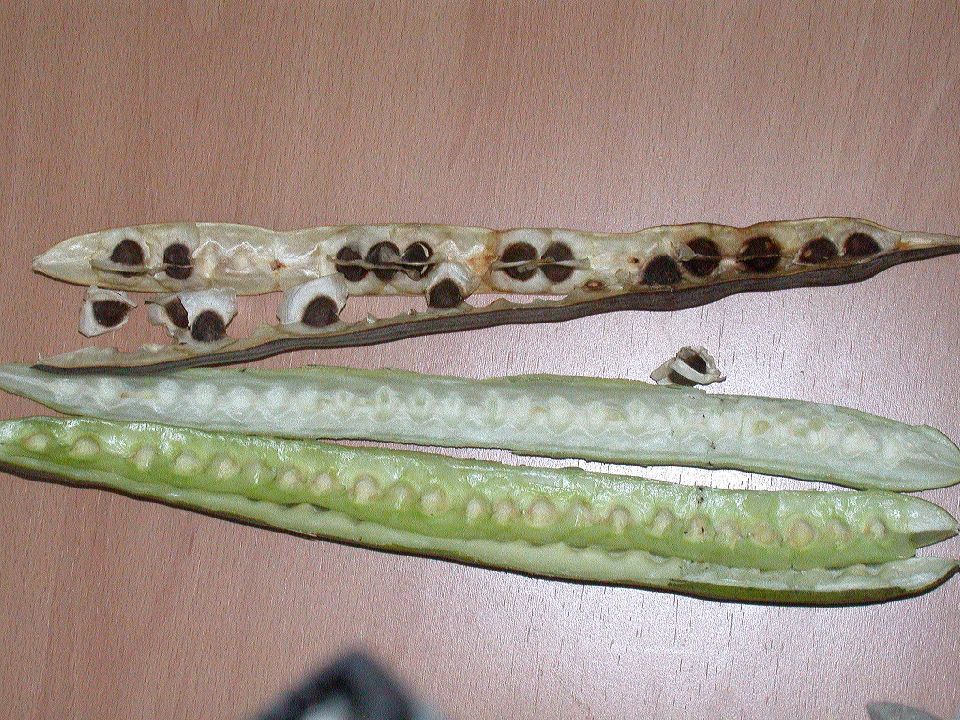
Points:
(661, 268)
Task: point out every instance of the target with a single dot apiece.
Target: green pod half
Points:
(619, 421)
(559, 522)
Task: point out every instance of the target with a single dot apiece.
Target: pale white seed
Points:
(618, 519)
(289, 478)
(365, 489)
(541, 513)
(143, 457)
(434, 501)
(203, 395)
(476, 509)
(186, 463)
(277, 399)
(661, 522)
(37, 442)
(240, 400)
(503, 511)
(167, 392)
(799, 534)
(85, 447)
(306, 400)
(224, 468)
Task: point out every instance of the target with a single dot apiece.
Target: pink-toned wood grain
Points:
(605, 116)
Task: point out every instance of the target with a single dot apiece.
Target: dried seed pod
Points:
(692, 365)
(104, 311)
(313, 305)
(534, 261)
(196, 318)
(442, 511)
(663, 268)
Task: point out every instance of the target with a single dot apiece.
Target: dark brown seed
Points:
(415, 260)
(177, 261)
(384, 253)
(662, 270)
(676, 378)
(557, 252)
(818, 250)
(694, 360)
(706, 257)
(760, 254)
(208, 327)
(109, 313)
(127, 252)
(353, 273)
(860, 245)
(177, 313)
(519, 252)
(445, 294)
(319, 312)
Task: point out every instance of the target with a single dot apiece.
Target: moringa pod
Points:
(661, 268)
(607, 420)
(400, 259)
(799, 546)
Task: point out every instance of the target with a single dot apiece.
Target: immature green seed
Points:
(434, 501)
(323, 483)
(541, 513)
(400, 496)
(763, 534)
(503, 511)
(619, 519)
(255, 473)
(365, 489)
(143, 457)
(728, 532)
(559, 413)
(37, 442)
(697, 528)
(799, 534)
(224, 468)
(875, 528)
(476, 509)
(839, 530)
(579, 514)
(186, 463)
(85, 447)
(289, 478)
(661, 522)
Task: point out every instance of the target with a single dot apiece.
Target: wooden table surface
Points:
(611, 117)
